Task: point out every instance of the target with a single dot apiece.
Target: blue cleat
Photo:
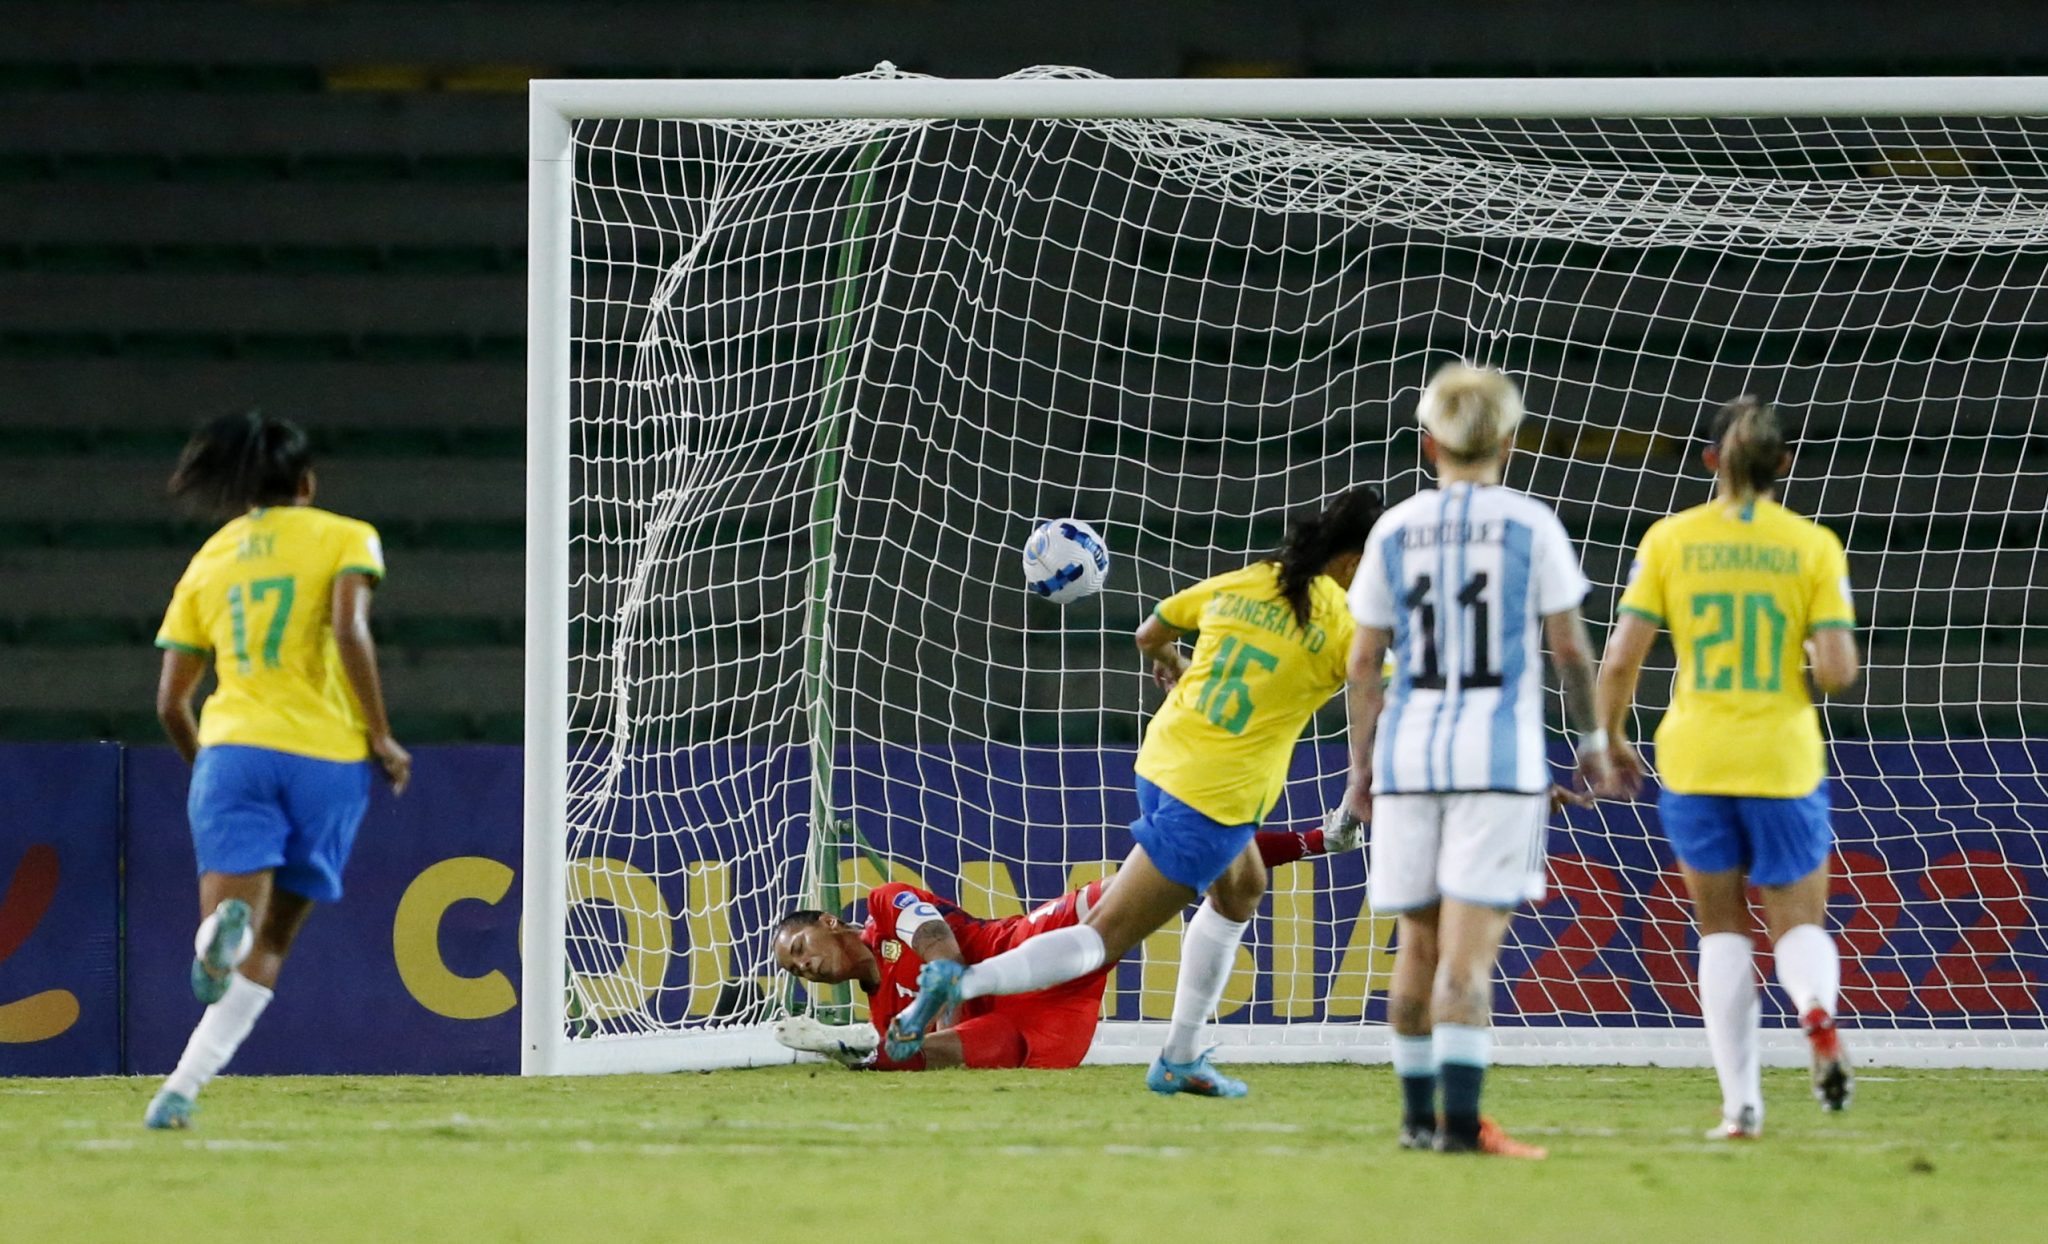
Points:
(167, 1111)
(213, 965)
(1199, 1077)
(938, 987)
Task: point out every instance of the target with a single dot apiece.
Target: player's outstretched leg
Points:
(223, 941)
(938, 987)
(1198, 1076)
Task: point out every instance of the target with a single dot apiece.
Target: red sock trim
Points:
(1277, 847)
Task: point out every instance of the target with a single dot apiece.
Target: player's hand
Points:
(849, 1045)
(1596, 772)
(394, 761)
(1354, 808)
(1167, 668)
(1562, 797)
(1358, 801)
(1345, 825)
(1623, 772)
(1812, 663)
(1343, 831)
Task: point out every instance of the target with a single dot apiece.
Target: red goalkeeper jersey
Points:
(897, 904)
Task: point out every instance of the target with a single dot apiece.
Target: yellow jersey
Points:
(258, 599)
(1741, 587)
(1222, 741)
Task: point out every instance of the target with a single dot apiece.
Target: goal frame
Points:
(554, 106)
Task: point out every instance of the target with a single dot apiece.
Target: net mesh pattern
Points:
(828, 375)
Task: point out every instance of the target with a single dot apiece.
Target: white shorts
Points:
(1484, 848)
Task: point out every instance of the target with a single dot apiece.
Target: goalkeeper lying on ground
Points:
(906, 926)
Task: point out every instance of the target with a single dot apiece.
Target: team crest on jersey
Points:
(892, 950)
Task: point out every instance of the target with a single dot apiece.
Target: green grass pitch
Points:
(824, 1155)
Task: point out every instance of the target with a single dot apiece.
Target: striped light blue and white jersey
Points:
(1463, 576)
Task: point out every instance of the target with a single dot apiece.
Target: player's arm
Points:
(1365, 695)
(358, 651)
(923, 928)
(1831, 639)
(1571, 654)
(1371, 604)
(942, 1052)
(858, 1047)
(1158, 642)
(186, 653)
(1621, 667)
(1560, 592)
(933, 939)
(175, 684)
(1638, 616)
(1831, 655)
(914, 917)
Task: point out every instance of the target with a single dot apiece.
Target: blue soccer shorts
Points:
(254, 808)
(1775, 841)
(1186, 846)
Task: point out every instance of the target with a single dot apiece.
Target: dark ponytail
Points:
(1752, 441)
(1312, 540)
(239, 461)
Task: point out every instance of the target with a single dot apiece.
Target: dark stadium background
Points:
(319, 208)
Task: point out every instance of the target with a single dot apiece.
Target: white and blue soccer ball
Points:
(1065, 560)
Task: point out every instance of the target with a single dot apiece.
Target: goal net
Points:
(803, 386)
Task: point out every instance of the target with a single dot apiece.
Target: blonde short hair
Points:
(1470, 410)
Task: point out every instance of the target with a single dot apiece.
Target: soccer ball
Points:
(1065, 560)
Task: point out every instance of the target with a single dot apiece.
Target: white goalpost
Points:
(808, 360)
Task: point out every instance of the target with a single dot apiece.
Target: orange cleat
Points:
(1494, 1139)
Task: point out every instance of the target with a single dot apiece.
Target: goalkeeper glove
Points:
(1342, 831)
(849, 1045)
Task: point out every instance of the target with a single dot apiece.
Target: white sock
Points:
(1414, 1056)
(1462, 1044)
(1728, 999)
(220, 1033)
(1044, 961)
(1207, 953)
(1809, 968)
(204, 938)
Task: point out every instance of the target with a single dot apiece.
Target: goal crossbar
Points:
(913, 99)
